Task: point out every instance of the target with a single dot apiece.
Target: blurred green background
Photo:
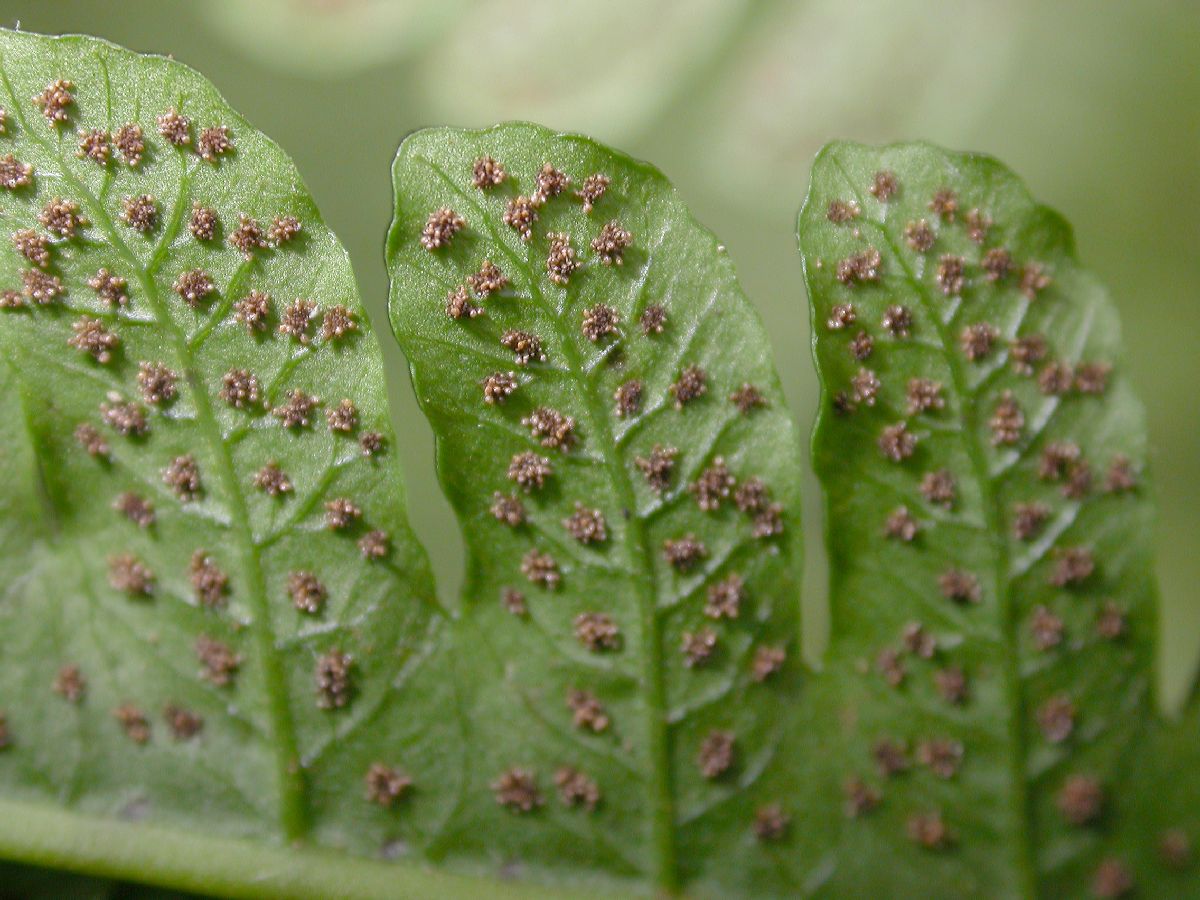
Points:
(1096, 103)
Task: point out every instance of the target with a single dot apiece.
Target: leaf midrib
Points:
(637, 548)
(293, 815)
(993, 516)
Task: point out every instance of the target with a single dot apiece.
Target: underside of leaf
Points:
(989, 533)
(613, 438)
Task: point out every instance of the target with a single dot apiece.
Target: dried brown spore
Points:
(375, 544)
(526, 347)
(247, 237)
(860, 268)
(944, 204)
(521, 215)
(942, 756)
(514, 602)
(128, 574)
(717, 754)
(441, 227)
(917, 640)
(508, 509)
(748, 398)
(1175, 849)
(1121, 476)
(864, 387)
(182, 476)
(14, 174)
(950, 274)
(600, 321)
(1112, 880)
(91, 440)
(1027, 351)
(219, 663)
(133, 722)
(1056, 718)
(1057, 459)
(768, 660)
(371, 443)
(1092, 378)
(487, 173)
(459, 304)
(61, 217)
(33, 246)
(176, 128)
(951, 685)
(576, 788)
(841, 316)
(342, 418)
(41, 287)
(840, 211)
(891, 757)
(996, 263)
(1045, 629)
(628, 399)
(334, 678)
(183, 723)
(126, 418)
(561, 262)
(1007, 421)
(1034, 280)
(923, 395)
(69, 683)
(140, 213)
(861, 346)
(517, 790)
(860, 797)
(977, 223)
(897, 321)
(203, 222)
(919, 236)
(653, 319)
(698, 647)
(752, 495)
(587, 712)
(272, 480)
(240, 388)
(928, 830)
(136, 508)
(771, 823)
(960, 586)
(684, 553)
(11, 300)
(890, 664)
(901, 525)
(1080, 800)
(253, 311)
(498, 387)
(488, 280)
(94, 144)
(54, 100)
(214, 142)
(307, 591)
(386, 785)
(896, 442)
(725, 598)
(611, 243)
(1078, 483)
(592, 190)
(550, 183)
(541, 569)
(978, 340)
(551, 428)
(1056, 378)
(157, 382)
(91, 336)
(297, 411)
(297, 318)
(130, 143)
(586, 525)
(529, 470)
(341, 513)
(713, 485)
(283, 230)
(1029, 519)
(768, 522)
(337, 322)
(690, 386)
(1073, 566)
(884, 185)
(658, 467)
(597, 631)
(209, 582)
(194, 287)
